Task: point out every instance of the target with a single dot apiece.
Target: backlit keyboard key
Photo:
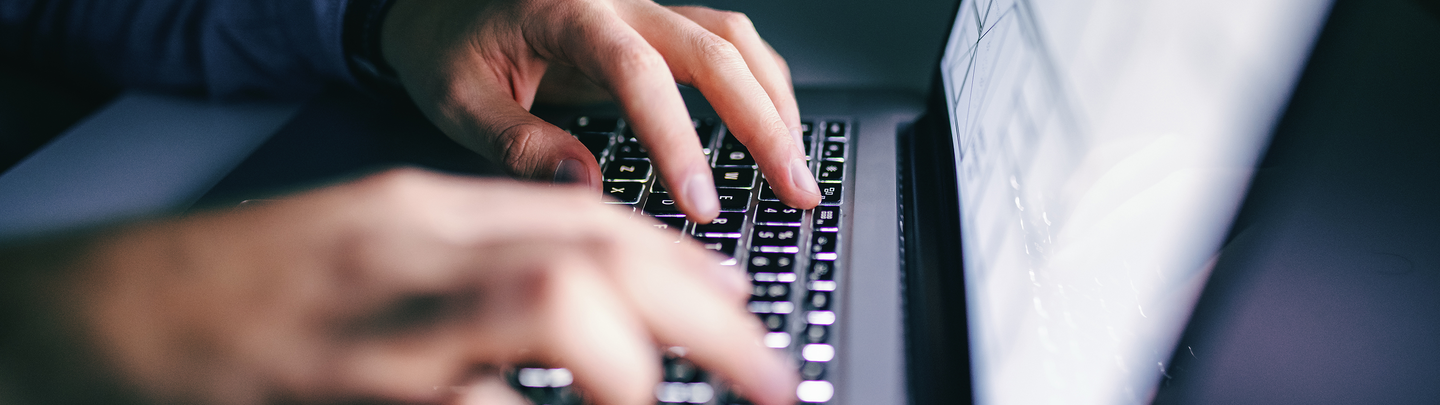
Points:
(631, 150)
(766, 193)
(833, 150)
(626, 193)
(823, 242)
(774, 213)
(628, 170)
(733, 200)
(785, 239)
(661, 204)
(725, 246)
(771, 263)
(834, 129)
(733, 153)
(734, 177)
(831, 172)
(827, 218)
(830, 193)
(727, 225)
(675, 223)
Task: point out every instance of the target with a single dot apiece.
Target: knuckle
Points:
(735, 23)
(631, 56)
(515, 142)
(717, 50)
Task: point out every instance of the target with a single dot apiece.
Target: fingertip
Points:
(805, 191)
(700, 201)
(572, 171)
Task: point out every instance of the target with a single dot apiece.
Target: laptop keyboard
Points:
(790, 254)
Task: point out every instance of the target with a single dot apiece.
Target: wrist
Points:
(362, 33)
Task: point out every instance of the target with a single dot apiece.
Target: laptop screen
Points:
(1103, 148)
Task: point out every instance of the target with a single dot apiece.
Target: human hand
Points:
(474, 66)
(389, 287)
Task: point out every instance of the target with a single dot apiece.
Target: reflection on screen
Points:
(1104, 147)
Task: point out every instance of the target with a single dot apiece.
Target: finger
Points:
(528, 146)
(717, 68)
(767, 65)
(591, 332)
(488, 389)
(681, 308)
(613, 55)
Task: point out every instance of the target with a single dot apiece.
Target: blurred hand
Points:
(389, 287)
(474, 66)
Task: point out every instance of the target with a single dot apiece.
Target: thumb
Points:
(492, 123)
(534, 149)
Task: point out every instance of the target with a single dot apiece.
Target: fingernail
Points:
(571, 171)
(801, 177)
(701, 194)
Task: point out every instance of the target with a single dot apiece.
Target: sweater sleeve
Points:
(221, 49)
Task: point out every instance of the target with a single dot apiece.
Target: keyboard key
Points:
(784, 239)
(628, 170)
(733, 153)
(827, 218)
(774, 213)
(773, 277)
(733, 199)
(727, 225)
(658, 186)
(631, 149)
(773, 322)
(833, 150)
(831, 172)
(834, 129)
(770, 292)
(626, 193)
(771, 263)
(661, 204)
(766, 193)
(823, 242)
(813, 370)
(675, 223)
(822, 269)
(594, 141)
(818, 300)
(770, 307)
(817, 333)
(823, 285)
(725, 246)
(592, 124)
(830, 193)
(734, 177)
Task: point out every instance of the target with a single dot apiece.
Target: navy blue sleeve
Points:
(222, 49)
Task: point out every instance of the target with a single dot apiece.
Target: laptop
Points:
(1037, 230)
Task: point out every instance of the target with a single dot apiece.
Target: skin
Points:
(474, 68)
(416, 287)
(389, 287)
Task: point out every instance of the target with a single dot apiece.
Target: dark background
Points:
(1329, 289)
(847, 44)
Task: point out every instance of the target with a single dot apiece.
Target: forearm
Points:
(219, 49)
